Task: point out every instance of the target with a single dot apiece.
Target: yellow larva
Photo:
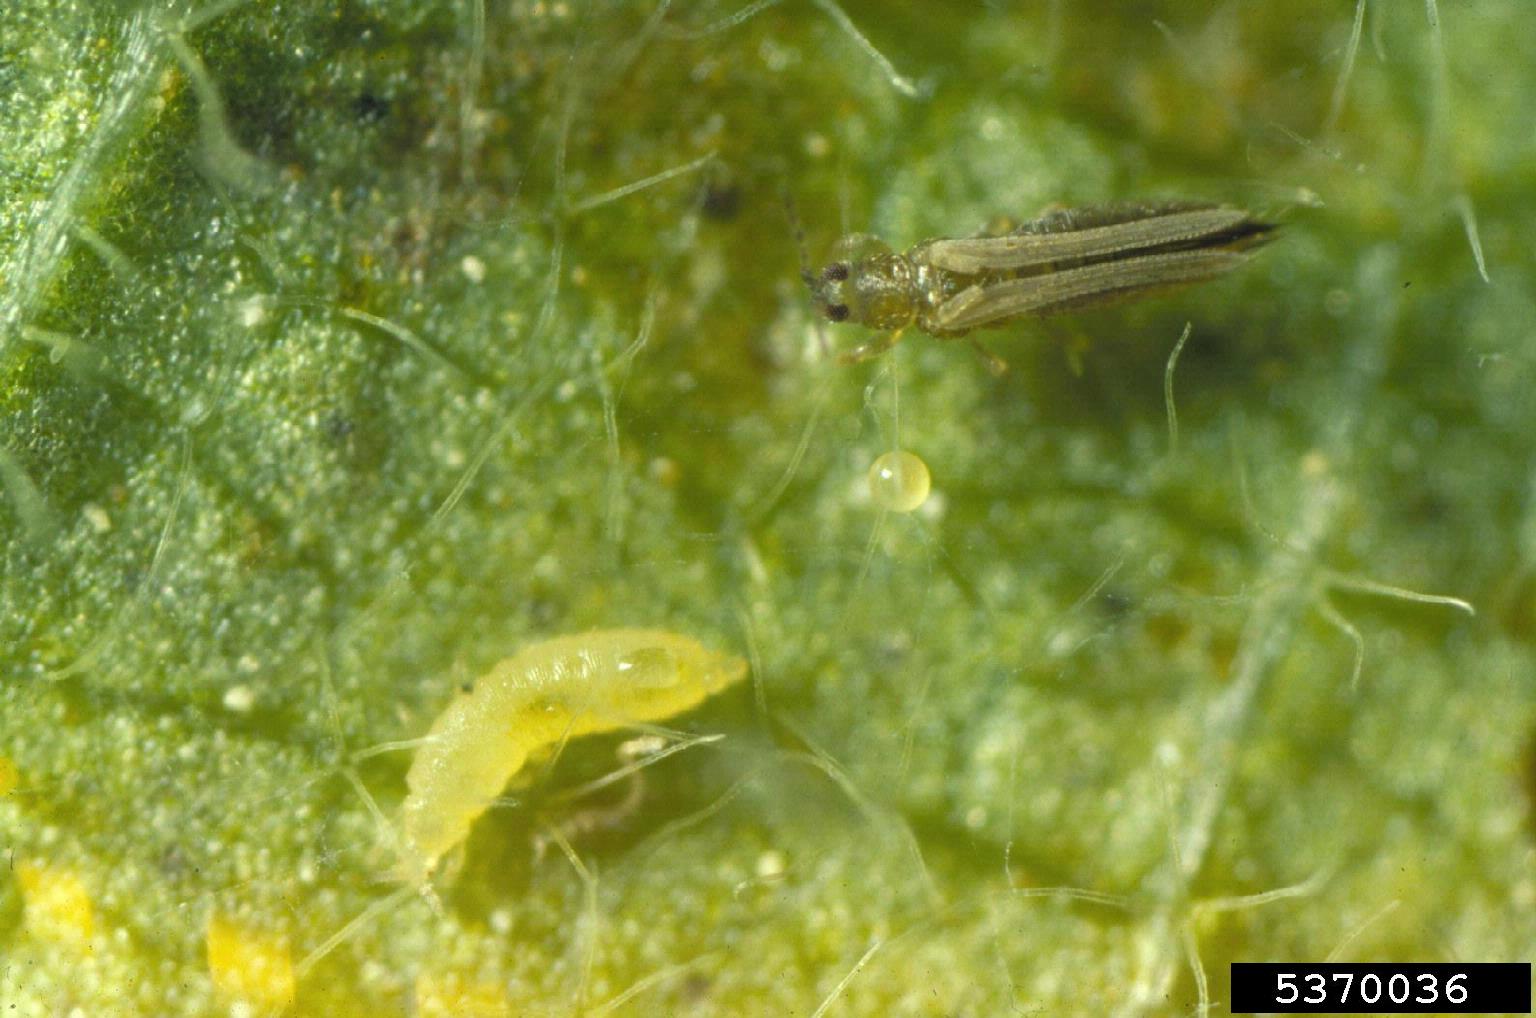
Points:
(547, 693)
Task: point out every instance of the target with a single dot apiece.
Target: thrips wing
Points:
(1087, 234)
(978, 307)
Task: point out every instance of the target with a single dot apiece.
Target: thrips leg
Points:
(870, 350)
(994, 363)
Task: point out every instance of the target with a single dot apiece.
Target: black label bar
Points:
(1411, 988)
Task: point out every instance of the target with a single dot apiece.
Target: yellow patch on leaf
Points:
(250, 965)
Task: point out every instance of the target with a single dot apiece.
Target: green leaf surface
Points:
(348, 348)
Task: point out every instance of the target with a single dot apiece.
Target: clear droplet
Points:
(899, 481)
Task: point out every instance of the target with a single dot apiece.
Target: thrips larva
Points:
(1067, 260)
(537, 699)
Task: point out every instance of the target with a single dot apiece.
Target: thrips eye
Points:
(837, 312)
(835, 273)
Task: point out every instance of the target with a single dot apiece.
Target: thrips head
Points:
(658, 670)
(869, 285)
(827, 289)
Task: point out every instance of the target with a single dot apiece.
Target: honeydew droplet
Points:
(899, 481)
